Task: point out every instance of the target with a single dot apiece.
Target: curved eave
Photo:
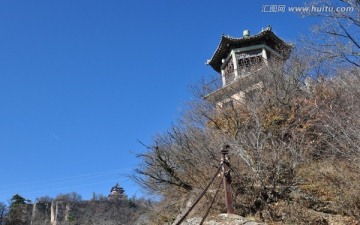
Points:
(228, 43)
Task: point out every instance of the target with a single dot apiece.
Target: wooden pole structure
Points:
(227, 179)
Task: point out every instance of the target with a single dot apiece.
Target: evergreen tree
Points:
(17, 211)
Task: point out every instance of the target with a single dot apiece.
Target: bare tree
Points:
(3, 211)
(336, 39)
(295, 136)
(279, 134)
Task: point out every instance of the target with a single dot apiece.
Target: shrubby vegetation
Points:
(295, 152)
(295, 144)
(72, 210)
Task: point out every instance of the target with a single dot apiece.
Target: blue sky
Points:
(81, 81)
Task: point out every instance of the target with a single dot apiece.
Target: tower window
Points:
(227, 104)
(249, 61)
(229, 72)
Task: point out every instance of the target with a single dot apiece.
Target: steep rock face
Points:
(53, 213)
(85, 212)
(41, 213)
(222, 219)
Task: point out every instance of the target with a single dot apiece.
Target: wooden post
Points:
(227, 179)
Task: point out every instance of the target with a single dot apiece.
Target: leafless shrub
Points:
(283, 127)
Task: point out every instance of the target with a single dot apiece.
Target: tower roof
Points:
(228, 43)
(117, 188)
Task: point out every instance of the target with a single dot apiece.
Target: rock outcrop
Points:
(222, 219)
(84, 213)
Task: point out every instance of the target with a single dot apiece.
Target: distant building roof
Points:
(228, 43)
(117, 188)
(116, 192)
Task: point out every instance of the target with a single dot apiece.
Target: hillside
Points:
(72, 211)
(292, 123)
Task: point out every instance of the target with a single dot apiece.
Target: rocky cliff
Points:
(85, 212)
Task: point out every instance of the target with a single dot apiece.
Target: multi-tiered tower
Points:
(239, 60)
(116, 192)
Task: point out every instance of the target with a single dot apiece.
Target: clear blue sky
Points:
(81, 81)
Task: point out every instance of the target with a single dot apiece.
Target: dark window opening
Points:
(227, 104)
